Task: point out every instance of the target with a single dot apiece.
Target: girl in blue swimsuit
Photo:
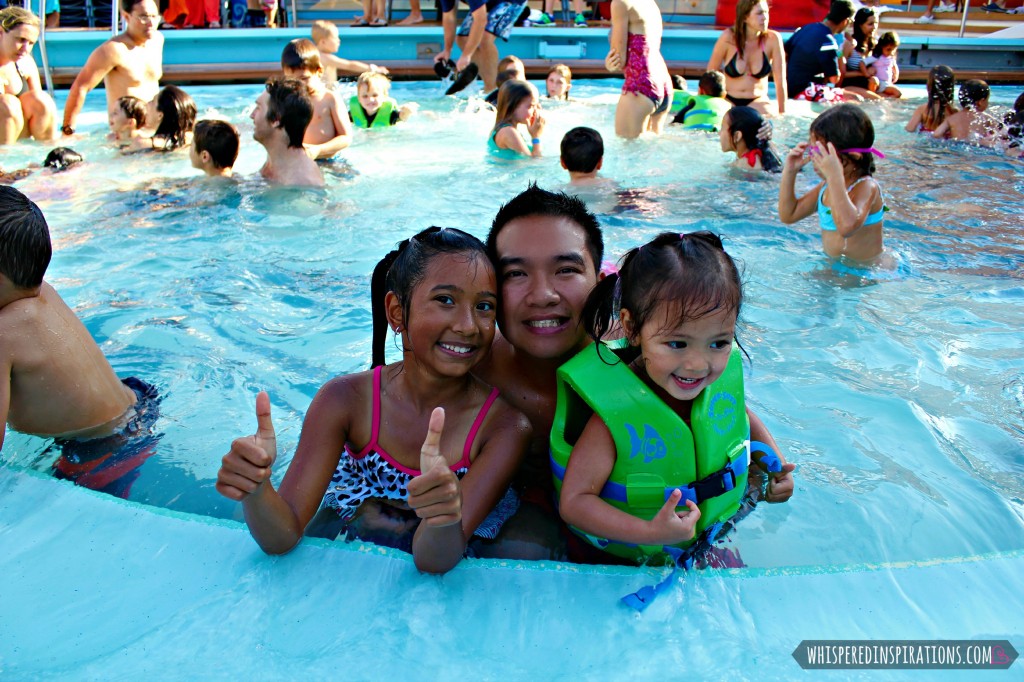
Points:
(418, 447)
(848, 201)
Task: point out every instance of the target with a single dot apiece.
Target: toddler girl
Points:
(663, 455)
(127, 120)
(884, 67)
(420, 450)
(848, 200)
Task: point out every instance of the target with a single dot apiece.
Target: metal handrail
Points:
(42, 43)
(113, 17)
(963, 19)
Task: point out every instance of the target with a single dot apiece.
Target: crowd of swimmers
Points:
(508, 345)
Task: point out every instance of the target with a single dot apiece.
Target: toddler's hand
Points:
(436, 494)
(245, 468)
(670, 527)
(407, 110)
(780, 484)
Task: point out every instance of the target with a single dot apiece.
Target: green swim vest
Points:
(656, 451)
(383, 118)
(706, 113)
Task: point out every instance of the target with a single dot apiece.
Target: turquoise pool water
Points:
(900, 394)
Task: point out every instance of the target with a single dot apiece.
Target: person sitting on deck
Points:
(325, 37)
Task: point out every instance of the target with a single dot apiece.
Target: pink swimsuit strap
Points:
(374, 446)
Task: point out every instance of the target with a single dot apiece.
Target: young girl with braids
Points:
(929, 116)
(664, 453)
(414, 454)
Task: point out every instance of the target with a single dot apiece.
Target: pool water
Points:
(899, 394)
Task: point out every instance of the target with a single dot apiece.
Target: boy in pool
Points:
(325, 37)
(582, 155)
(283, 111)
(54, 380)
(373, 107)
(214, 148)
(329, 131)
(703, 111)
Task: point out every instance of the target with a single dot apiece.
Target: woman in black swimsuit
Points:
(24, 108)
(748, 53)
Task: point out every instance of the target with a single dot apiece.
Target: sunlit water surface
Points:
(898, 393)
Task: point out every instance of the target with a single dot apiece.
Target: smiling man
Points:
(130, 63)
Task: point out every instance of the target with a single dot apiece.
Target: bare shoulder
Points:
(345, 391)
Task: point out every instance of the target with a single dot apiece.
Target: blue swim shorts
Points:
(500, 20)
(112, 463)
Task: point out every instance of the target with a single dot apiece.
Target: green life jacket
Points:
(381, 120)
(656, 451)
(706, 113)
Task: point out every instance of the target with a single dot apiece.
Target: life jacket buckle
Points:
(716, 484)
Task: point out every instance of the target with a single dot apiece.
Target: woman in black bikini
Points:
(747, 54)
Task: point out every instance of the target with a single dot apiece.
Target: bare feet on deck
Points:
(411, 19)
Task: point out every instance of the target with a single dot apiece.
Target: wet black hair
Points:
(582, 149)
(289, 105)
(62, 158)
(25, 248)
(691, 271)
(402, 269)
(846, 126)
(179, 117)
(747, 121)
(134, 108)
(712, 83)
(220, 139)
(534, 201)
(941, 86)
(973, 91)
(864, 42)
(839, 11)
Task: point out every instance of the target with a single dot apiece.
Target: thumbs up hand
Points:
(248, 464)
(436, 494)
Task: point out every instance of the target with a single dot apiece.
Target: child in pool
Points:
(510, 67)
(518, 106)
(559, 82)
(214, 148)
(582, 155)
(740, 126)
(329, 131)
(325, 36)
(848, 200)
(884, 67)
(373, 107)
(929, 116)
(704, 110)
(54, 380)
(678, 298)
(440, 298)
(972, 122)
(127, 119)
(174, 114)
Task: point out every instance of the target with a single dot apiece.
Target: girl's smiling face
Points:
(452, 313)
(683, 359)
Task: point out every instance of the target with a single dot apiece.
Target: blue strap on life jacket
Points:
(722, 481)
(765, 457)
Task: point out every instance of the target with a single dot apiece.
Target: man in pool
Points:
(54, 380)
(283, 111)
(547, 249)
(130, 63)
(487, 20)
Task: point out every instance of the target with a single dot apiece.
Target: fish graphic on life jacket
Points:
(651, 445)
